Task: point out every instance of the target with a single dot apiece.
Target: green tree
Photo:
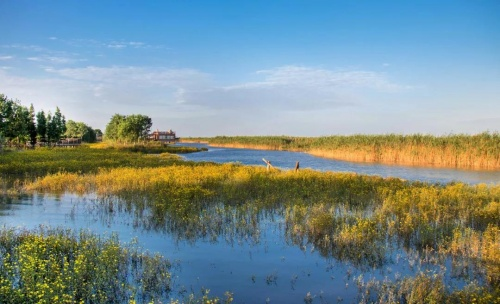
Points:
(32, 125)
(51, 128)
(128, 128)
(113, 126)
(80, 130)
(6, 109)
(56, 126)
(17, 130)
(135, 127)
(59, 122)
(41, 126)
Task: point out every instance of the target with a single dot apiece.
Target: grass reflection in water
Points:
(362, 220)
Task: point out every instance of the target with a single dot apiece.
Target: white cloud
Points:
(6, 57)
(109, 44)
(116, 45)
(188, 96)
(326, 79)
(53, 59)
(297, 88)
(34, 48)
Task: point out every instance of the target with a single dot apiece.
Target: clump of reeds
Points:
(351, 217)
(480, 151)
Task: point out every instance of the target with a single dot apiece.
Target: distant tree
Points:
(41, 126)
(128, 128)
(135, 127)
(32, 125)
(17, 123)
(51, 128)
(80, 130)
(59, 122)
(113, 126)
(89, 136)
(6, 109)
(56, 126)
(74, 129)
(17, 129)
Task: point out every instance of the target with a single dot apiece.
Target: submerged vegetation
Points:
(481, 151)
(59, 266)
(448, 232)
(357, 219)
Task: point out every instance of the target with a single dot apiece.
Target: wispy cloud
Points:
(110, 44)
(25, 47)
(307, 77)
(298, 88)
(171, 94)
(54, 59)
(127, 44)
(6, 57)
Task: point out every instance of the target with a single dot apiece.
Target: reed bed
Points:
(351, 217)
(481, 151)
(147, 147)
(356, 219)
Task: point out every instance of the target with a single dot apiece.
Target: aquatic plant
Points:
(479, 151)
(351, 217)
(359, 220)
(58, 266)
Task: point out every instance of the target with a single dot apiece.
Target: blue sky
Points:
(300, 68)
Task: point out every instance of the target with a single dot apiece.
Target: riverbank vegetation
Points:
(360, 220)
(480, 151)
(443, 232)
(89, 158)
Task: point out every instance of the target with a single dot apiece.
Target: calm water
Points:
(286, 160)
(259, 266)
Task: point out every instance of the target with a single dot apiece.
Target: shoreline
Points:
(390, 158)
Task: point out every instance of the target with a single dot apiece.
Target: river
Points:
(262, 266)
(287, 160)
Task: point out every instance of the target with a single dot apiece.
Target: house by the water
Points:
(163, 136)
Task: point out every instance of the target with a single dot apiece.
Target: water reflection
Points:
(287, 160)
(255, 251)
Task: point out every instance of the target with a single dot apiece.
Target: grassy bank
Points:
(361, 220)
(350, 217)
(88, 158)
(481, 151)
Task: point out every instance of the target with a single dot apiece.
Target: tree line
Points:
(20, 125)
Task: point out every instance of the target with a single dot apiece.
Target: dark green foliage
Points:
(15, 121)
(41, 126)
(32, 126)
(56, 126)
(80, 130)
(129, 128)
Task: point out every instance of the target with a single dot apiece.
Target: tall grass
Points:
(350, 217)
(42, 161)
(480, 151)
(353, 218)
